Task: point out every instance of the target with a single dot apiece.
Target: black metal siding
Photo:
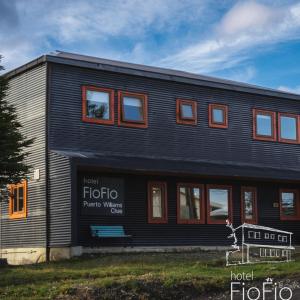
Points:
(59, 201)
(165, 138)
(144, 234)
(27, 92)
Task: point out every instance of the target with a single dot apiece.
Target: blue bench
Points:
(108, 231)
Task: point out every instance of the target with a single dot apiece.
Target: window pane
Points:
(157, 202)
(97, 105)
(248, 205)
(288, 128)
(218, 115)
(218, 201)
(288, 204)
(187, 111)
(263, 125)
(133, 109)
(21, 198)
(189, 203)
(15, 200)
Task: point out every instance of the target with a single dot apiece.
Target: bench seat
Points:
(108, 231)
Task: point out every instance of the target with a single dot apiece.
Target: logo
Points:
(258, 244)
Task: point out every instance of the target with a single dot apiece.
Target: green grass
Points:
(204, 271)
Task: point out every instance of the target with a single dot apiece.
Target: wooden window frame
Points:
(282, 140)
(272, 138)
(19, 214)
(163, 186)
(293, 218)
(254, 191)
(130, 123)
(212, 123)
(230, 206)
(185, 120)
(111, 93)
(202, 203)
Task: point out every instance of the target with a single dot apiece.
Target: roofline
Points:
(96, 63)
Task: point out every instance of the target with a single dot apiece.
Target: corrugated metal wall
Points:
(59, 201)
(165, 138)
(136, 224)
(27, 92)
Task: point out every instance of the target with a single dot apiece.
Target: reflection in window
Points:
(288, 204)
(218, 115)
(218, 204)
(187, 111)
(190, 198)
(97, 105)
(263, 125)
(157, 202)
(133, 109)
(288, 128)
(249, 205)
(17, 200)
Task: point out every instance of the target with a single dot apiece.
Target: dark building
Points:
(165, 155)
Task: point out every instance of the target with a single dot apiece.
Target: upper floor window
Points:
(186, 112)
(190, 203)
(17, 200)
(219, 206)
(249, 205)
(157, 202)
(218, 115)
(264, 125)
(133, 111)
(288, 128)
(289, 204)
(97, 105)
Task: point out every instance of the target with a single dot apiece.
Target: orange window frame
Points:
(202, 204)
(296, 193)
(184, 120)
(85, 118)
(164, 218)
(211, 121)
(272, 114)
(255, 211)
(289, 141)
(132, 123)
(230, 207)
(23, 212)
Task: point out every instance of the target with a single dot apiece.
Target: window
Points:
(186, 112)
(272, 236)
(190, 203)
(157, 202)
(264, 125)
(218, 115)
(251, 234)
(249, 205)
(289, 204)
(288, 128)
(267, 236)
(219, 204)
(97, 105)
(257, 235)
(133, 111)
(17, 200)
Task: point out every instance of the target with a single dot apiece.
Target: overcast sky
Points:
(250, 41)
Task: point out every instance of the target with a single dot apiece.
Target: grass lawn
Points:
(155, 276)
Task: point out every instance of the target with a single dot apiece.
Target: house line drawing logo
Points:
(258, 244)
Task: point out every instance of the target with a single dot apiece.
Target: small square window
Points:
(264, 125)
(133, 111)
(267, 236)
(288, 128)
(186, 112)
(218, 115)
(272, 236)
(97, 105)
